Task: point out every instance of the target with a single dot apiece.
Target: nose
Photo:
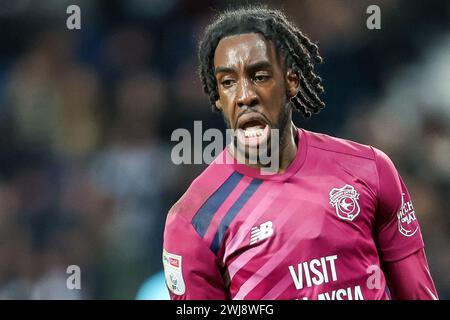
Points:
(246, 94)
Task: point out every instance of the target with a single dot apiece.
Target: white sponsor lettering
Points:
(350, 293)
(316, 271)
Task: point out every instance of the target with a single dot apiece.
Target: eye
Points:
(226, 83)
(261, 77)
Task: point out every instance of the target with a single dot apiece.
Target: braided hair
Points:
(300, 54)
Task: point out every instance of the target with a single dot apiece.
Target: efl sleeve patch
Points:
(173, 273)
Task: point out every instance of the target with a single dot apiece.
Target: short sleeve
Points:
(191, 269)
(396, 230)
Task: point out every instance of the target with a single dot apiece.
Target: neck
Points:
(288, 148)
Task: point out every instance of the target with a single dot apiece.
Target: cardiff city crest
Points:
(345, 201)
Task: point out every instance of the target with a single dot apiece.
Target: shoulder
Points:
(201, 189)
(340, 147)
(362, 160)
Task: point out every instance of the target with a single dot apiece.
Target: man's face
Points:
(253, 89)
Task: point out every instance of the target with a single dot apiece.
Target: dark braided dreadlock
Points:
(300, 54)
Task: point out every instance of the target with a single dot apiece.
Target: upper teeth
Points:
(253, 132)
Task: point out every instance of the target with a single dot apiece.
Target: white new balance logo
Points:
(264, 231)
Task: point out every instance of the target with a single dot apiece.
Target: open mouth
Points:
(253, 128)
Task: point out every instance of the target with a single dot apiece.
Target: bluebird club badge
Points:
(345, 201)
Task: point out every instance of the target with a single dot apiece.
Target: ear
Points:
(218, 105)
(292, 83)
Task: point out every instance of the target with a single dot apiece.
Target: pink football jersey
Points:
(320, 230)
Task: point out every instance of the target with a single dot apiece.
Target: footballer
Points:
(334, 222)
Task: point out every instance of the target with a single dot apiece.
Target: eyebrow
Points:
(252, 67)
(224, 70)
(259, 65)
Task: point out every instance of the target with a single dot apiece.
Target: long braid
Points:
(307, 100)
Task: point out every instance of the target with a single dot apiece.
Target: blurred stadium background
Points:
(86, 118)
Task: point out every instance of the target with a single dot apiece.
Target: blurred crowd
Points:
(86, 118)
